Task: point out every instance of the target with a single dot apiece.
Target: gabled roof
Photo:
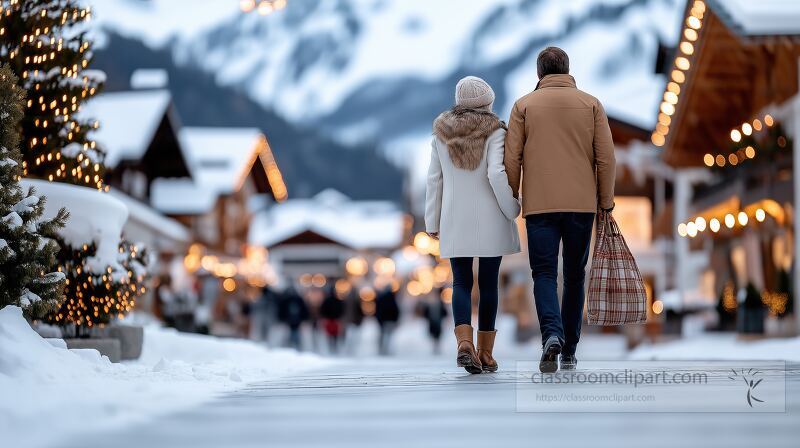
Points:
(128, 122)
(355, 224)
(759, 17)
(222, 158)
(736, 59)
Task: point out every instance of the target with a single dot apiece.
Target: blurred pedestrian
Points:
(265, 310)
(387, 312)
(354, 316)
(293, 311)
(331, 313)
(435, 312)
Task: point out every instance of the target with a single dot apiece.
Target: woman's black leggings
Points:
(488, 271)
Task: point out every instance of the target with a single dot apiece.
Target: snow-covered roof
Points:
(147, 216)
(128, 122)
(355, 224)
(760, 18)
(181, 196)
(221, 157)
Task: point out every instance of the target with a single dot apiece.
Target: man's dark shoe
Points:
(568, 362)
(550, 352)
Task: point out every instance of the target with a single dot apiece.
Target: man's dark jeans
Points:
(545, 232)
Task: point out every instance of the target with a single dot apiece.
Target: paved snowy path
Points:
(391, 403)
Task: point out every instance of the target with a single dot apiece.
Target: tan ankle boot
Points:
(467, 358)
(485, 346)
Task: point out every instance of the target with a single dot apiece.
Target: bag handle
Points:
(606, 220)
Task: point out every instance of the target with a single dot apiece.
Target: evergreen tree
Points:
(44, 42)
(28, 276)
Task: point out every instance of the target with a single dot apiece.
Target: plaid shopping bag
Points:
(616, 291)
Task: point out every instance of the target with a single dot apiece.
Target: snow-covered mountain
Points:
(380, 70)
(317, 56)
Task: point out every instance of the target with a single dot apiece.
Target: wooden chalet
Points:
(728, 126)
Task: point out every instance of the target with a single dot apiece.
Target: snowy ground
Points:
(723, 346)
(196, 391)
(399, 402)
(48, 392)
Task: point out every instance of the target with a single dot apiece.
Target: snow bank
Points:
(721, 346)
(86, 207)
(42, 383)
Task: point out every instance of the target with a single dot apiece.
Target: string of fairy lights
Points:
(739, 136)
(53, 71)
(96, 298)
(731, 220)
(683, 62)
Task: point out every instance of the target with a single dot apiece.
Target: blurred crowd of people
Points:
(324, 318)
(333, 314)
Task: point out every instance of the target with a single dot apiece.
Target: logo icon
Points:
(752, 381)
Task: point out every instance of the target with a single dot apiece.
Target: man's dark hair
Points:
(552, 61)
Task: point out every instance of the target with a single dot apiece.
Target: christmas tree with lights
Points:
(45, 44)
(28, 269)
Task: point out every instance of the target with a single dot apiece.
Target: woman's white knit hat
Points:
(474, 93)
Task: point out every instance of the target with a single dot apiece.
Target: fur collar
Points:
(465, 131)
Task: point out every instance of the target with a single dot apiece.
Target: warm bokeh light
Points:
(384, 266)
(229, 284)
(357, 266)
(658, 307)
(691, 229)
(682, 229)
(700, 222)
(714, 225)
(743, 218)
(730, 220)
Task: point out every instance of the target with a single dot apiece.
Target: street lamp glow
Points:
(761, 215)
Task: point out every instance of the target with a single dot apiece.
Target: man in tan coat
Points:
(559, 145)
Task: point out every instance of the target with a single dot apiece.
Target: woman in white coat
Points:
(471, 209)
